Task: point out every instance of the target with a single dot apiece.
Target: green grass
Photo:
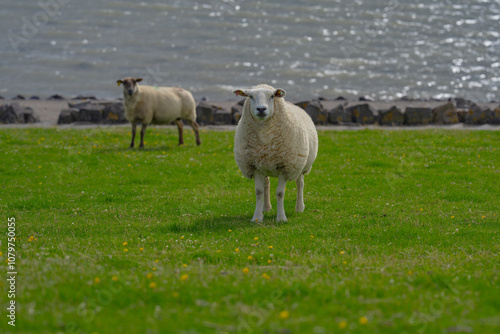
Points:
(400, 234)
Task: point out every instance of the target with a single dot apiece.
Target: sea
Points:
(379, 49)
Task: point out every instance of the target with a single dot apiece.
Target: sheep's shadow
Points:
(219, 224)
(137, 149)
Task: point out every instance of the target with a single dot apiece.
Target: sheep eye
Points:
(250, 96)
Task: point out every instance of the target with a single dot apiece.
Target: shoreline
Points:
(48, 112)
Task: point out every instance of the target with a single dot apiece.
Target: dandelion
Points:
(230, 231)
(410, 272)
(284, 314)
(256, 238)
(114, 278)
(218, 251)
(184, 265)
(343, 324)
(269, 261)
(156, 261)
(266, 276)
(31, 238)
(1, 254)
(482, 218)
(237, 250)
(184, 277)
(175, 294)
(141, 249)
(97, 280)
(452, 217)
(363, 320)
(421, 209)
(125, 250)
(125, 243)
(312, 236)
(344, 262)
(355, 216)
(342, 252)
(182, 237)
(270, 247)
(250, 257)
(152, 285)
(154, 269)
(149, 276)
(245, 270)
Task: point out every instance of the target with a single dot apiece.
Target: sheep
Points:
(157, 105)
(274, 138)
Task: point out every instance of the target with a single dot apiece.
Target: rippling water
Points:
(384, 49)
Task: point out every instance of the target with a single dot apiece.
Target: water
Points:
(384, 49)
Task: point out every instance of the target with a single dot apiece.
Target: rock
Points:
(84, 97)
(315, 110)
(68, 116)
(340, 98)
(15, 114)
(223, 117)
(19, 97)
(34, 97)
(363, 114)
(241, 102)
(114, 113)
(79, 105)
(476, 115)
(417, 116)
(205, 113)
(494, 116)
(1, 97)
(339, 116)
(29, 116)
(366, 98)
(91, 113)
(56, 97)
(237, 111)
(445, 114)
(393, 116)
(236, 117)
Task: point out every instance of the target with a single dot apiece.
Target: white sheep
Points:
(157, 105)
(274, 138)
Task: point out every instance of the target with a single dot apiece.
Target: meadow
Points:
(400, 235)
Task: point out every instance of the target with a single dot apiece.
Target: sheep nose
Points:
(261, 109)
(130, 91)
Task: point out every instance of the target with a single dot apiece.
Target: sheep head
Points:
(129, 85)
(261, 100)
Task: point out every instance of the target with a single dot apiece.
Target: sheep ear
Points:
(239, 92)
(119, 82)
(138, 79)
(279, 92)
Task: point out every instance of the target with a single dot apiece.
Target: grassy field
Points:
(400, 235)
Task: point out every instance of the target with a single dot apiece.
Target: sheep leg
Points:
(143, 131)
(267, 195)
(299, 207)
(259, 192)
(180, 127)
(196, 127)
(280, 195)
(134, 127)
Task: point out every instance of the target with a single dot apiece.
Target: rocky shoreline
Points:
(87, 110)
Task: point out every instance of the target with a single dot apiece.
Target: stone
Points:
(417, 116)
(114, 113)
(363, 114)
(205, 113)
(237, 111)
(29, 117)
(393, 117)
(476, 115)
(366, 98)
(84, 97)
(494, 116)
(445, 114)
(19, 97)
(15, 114)
(68, 116)
(79, 105)
(35, 97)
(56, 97)
(223, 117)
(91, 113)
(315, 110)
(339, 116)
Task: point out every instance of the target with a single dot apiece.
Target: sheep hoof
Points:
(267, 207)
(300, 208)
(281, 218)
(257, 220)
